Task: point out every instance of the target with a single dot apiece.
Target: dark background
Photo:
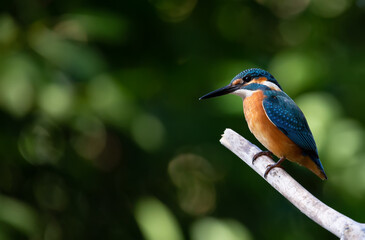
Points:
(103, 136)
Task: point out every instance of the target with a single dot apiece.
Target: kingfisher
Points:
(274, 119)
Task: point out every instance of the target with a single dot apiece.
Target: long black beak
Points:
(222, 91)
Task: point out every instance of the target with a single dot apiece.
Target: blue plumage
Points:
(255, 73)
(286, 115)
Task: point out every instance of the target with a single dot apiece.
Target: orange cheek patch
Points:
(237, 81)
(259, 80)
(262, 79)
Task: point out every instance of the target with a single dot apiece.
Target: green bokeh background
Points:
(103, 137)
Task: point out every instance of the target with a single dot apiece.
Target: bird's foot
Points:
(263, 153)
(271, 166)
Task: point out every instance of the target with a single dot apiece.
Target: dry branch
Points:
(335, 222)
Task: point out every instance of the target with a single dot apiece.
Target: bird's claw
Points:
(275, 165)
(269, 168)
(263, 153)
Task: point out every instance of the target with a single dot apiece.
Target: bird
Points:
(274, 119)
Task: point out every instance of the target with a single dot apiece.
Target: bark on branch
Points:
(340, 225)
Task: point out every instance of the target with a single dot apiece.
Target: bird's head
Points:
(246, 82)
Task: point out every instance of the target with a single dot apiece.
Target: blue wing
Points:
(286, 115)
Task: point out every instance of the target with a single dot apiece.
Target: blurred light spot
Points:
(90, 137)
(345, 140)
(79, 60)
(321, 111)
(215, 229)
(20, 216)
(156, 221)
(56, 100)
(16, 84)
(174, 10)
(148, 132)
(295, 32)
(41, 143)
(194, 177)
(110, 100)
(101, 26)
(71, 29)
(8, 30)
(330, 8)
(285, 8)
(233, 21)
(297, 71)
(51, 193)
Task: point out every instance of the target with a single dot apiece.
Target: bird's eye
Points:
(247, 78)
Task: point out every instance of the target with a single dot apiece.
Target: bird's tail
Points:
(318, 168)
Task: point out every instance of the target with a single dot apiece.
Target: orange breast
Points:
(264, 130)
(270, 136)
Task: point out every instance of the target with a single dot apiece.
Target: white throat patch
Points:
(243, 93)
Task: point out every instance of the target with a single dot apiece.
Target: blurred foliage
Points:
(103, 136)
